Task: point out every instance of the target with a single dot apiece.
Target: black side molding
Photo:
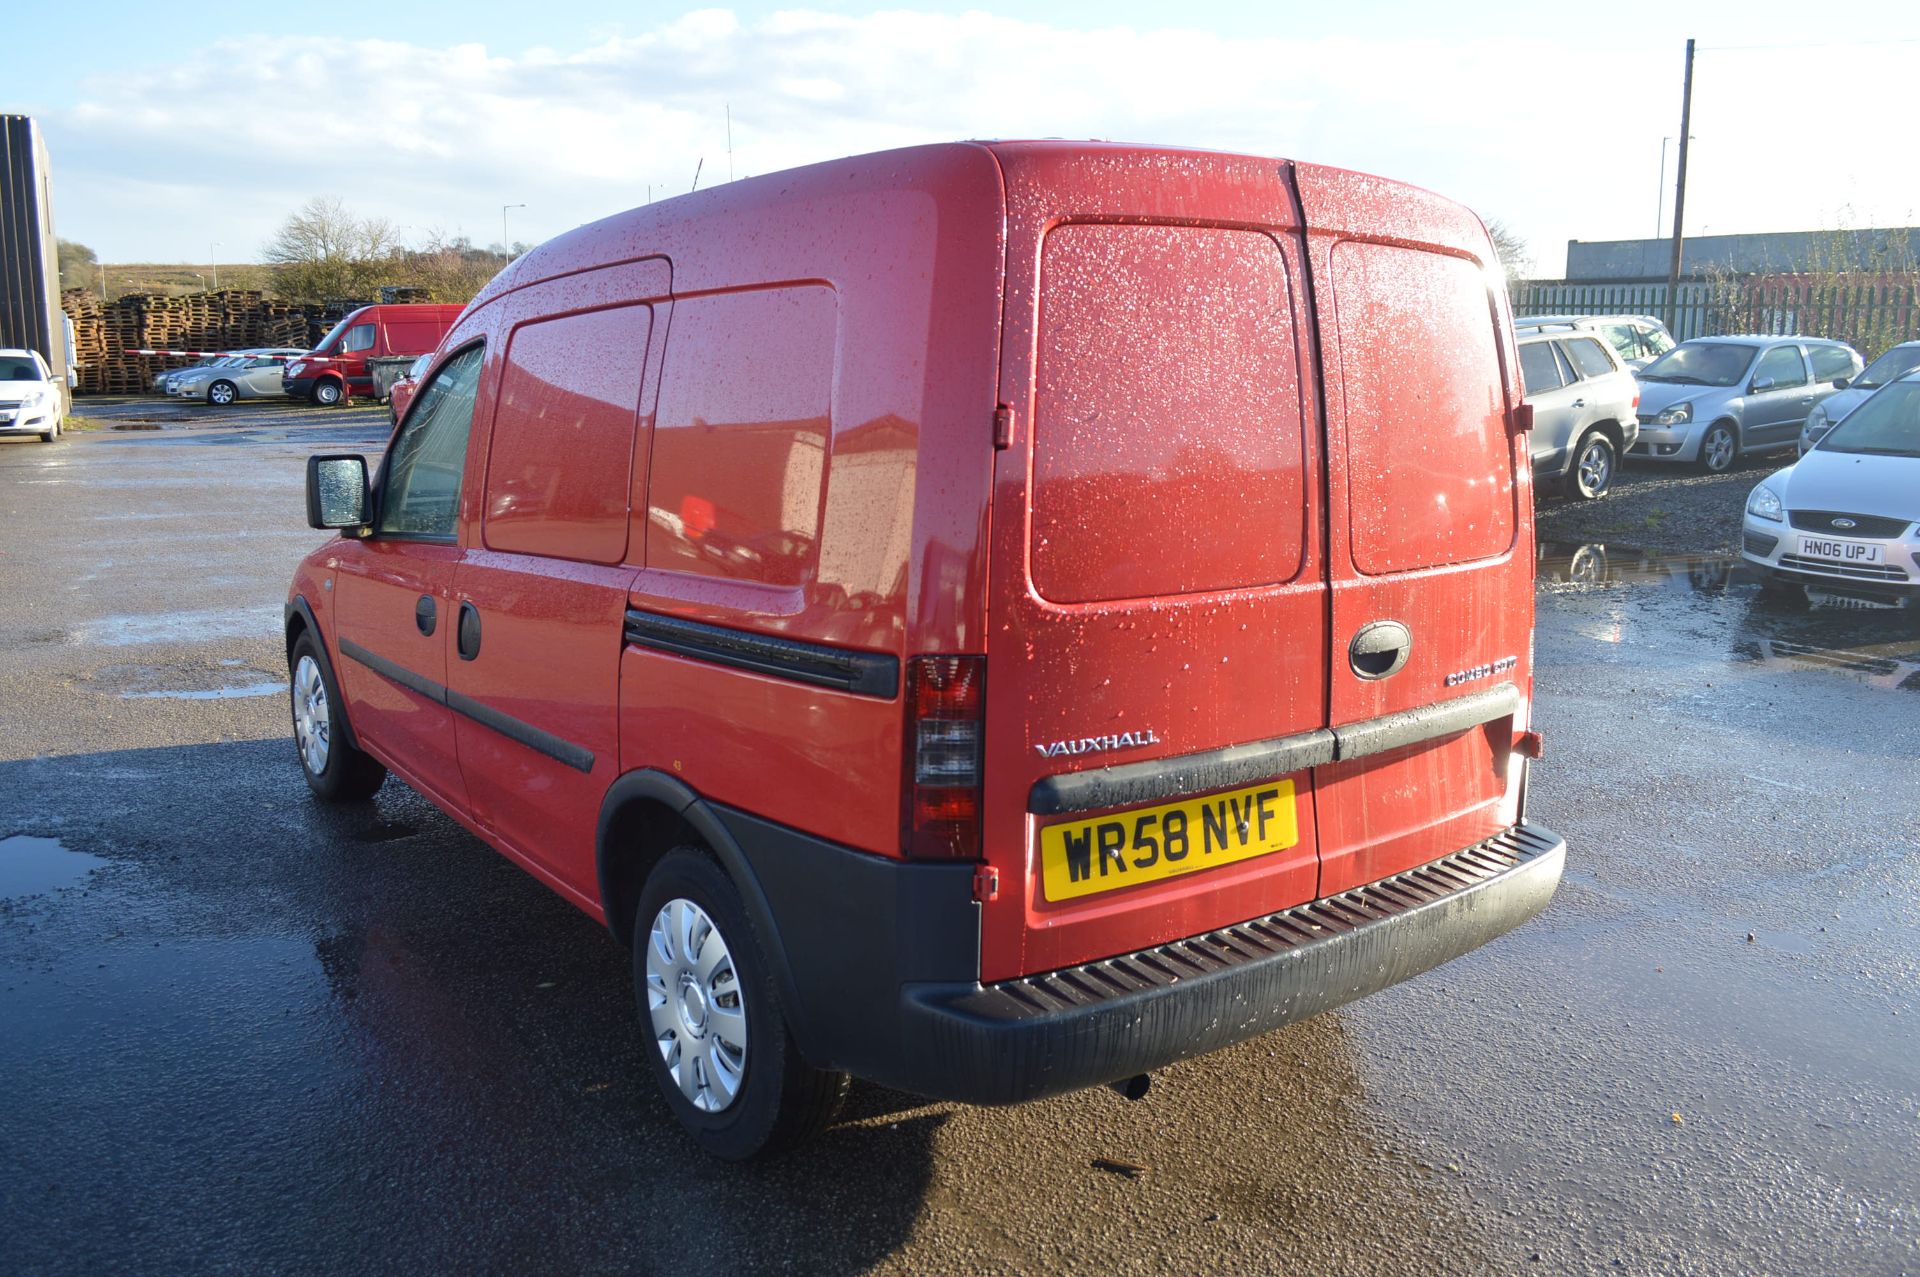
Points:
(1163, 779)
(558, 748)
(818, 664)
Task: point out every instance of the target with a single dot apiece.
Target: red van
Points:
(337, 369)
(991, 619)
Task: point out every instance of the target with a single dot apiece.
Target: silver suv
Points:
(1584, 402)
(1637, 339)
(1712, 399)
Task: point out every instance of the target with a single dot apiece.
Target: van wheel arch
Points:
(301, 621)
(645, 815)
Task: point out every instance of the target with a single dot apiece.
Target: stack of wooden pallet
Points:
(107, 334)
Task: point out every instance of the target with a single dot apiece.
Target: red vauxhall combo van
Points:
(988, 619)
(336, 370)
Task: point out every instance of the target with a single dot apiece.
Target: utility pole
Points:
(506, 245)
(729, 107)
(1680, 191)
(213, 260)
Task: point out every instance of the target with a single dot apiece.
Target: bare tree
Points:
(324, 250)
(1516, 255)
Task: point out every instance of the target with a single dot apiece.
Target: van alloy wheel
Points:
(695, 1001)
(312, 724)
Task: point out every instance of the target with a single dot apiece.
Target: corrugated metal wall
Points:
(30, 314)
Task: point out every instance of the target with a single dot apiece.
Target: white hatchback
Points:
(31, 401)
(1845, 515)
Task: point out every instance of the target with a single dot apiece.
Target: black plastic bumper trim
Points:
(1044, 1035)
(558, 748)
(818, 664)
(1162, 779)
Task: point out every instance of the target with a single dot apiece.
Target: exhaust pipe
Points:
(1132, 1088)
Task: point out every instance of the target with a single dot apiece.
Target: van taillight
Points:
(945, 705)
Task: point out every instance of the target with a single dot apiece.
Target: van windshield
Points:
(333, 334)
(1701, 363)
(1887, 425)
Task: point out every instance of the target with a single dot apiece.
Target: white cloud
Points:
(221, 144)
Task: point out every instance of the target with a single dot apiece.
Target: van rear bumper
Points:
(862, 1009)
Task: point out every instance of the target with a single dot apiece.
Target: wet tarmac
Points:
(238, 1030)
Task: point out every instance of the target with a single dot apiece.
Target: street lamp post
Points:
(506, 241)
(213, 261)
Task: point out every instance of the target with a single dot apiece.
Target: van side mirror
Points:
(336, 491)
(1522, 418)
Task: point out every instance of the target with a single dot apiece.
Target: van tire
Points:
(1595, 462)
(345, 774)
(781, 1100)
(327, 393)
(1719, 461)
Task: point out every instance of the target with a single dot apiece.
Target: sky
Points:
(193, 137)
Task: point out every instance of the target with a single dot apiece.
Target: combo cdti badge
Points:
(989, 619)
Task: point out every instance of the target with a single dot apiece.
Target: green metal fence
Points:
(1869, 315)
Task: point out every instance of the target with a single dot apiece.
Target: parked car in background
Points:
(163, 380)
(337, 370)
(1714, 399)
(400, 394)
(1895, 363)
(31, 401)
(1845, 514)
(1637, 339)
(1584, 400)
(245, 374)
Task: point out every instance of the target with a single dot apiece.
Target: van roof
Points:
(969, 169)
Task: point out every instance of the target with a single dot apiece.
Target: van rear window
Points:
(1168, 449)
(1429, 462)
(561, 466)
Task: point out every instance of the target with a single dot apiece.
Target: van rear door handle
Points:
(1380, 649)
(468, 639)
(425, 614)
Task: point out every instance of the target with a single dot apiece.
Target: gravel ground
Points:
(1669, 508)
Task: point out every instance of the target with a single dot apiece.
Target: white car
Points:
(31, 401)
(1845, 515)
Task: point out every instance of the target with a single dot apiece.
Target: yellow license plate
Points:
(1154, 843)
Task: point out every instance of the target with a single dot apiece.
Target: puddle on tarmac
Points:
(31, 866)
(1872, 641)
(226, 680)
(179, 627)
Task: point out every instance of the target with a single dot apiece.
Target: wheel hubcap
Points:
(312, 724)
(694, 1002)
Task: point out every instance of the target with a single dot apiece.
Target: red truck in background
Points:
(337, 369)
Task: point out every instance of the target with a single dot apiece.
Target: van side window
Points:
(560, 467)
(1539, 371)
(740, 446)
(1589, 356)
(420, 495)
(1784, 365)
(359, 337)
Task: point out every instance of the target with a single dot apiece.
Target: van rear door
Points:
(1157, 624)
(1432, 607)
